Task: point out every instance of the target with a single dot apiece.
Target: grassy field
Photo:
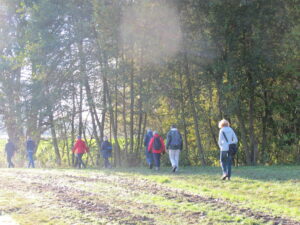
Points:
(255, 195)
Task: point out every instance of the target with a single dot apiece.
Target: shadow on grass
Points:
(263, 173)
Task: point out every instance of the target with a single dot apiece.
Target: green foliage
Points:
(96, 68)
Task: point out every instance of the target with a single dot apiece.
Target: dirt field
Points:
(91, 197)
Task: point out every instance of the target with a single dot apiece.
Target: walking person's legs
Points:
(9, 162)
(80, 162)
(31, 161)
(78, 159)
(224, 163)
(172, 156)
(106, 162)
(156, 158)
(149, 158)
(176, 159)
(229, 163)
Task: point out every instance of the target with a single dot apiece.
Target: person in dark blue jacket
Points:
(10, 150)
(30, 149)
(106, 150)
(149, 155)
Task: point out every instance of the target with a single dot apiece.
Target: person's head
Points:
(155, 132)
(29, 139)
(223, 123)
(8, 140)
(173, 126)
(105, 138)
(79, 137)
(149, 130)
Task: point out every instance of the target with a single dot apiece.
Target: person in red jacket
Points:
(79, 149)
(157, 147)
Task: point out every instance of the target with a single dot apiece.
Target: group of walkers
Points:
(80, 148)
(10, 150)
(154, 148)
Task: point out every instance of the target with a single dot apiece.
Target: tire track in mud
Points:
(143, 185)
(172, 193)
(74, 198)
(77, 199)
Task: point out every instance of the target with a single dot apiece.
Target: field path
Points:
(124, 199)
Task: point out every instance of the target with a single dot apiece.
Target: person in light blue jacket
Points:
(226, 137)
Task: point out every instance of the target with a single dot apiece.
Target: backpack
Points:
(175, 139)
(157, 143)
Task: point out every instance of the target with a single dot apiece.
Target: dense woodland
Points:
(117, 67)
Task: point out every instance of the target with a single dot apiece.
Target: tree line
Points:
(110, 67)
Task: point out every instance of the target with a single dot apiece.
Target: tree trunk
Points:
(131, 109)
(244, 134)
(193, 108)
(91, 106)
(213, 133)
(73, 122)
(66, 140)
(220, 98)
(114, 130)
(182, 109)
(124, 120)
(253, 141)
(54, 137)
(89, 99)
(264, 127)
(140, 108)
(80, 127)
(143, 130)
(103, 114)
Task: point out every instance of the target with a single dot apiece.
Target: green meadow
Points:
(194, 195)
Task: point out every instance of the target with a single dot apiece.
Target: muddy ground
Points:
(112, 198)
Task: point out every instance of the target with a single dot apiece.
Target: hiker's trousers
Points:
(174, 157)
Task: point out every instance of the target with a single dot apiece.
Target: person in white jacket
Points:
(226, 132)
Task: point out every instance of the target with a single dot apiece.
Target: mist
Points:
(151, 30)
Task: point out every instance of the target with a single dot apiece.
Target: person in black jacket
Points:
(106, 150)
(10, 150)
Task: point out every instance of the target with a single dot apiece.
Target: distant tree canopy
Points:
(115, 67)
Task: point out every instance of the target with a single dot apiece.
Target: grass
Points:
(273, 190)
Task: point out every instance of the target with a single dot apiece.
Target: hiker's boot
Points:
(174, 169)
